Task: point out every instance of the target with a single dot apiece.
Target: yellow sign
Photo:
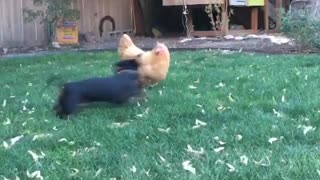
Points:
(67, 32)
(255, 2)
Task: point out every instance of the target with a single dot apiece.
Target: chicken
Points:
(152, 66)
(127, 49)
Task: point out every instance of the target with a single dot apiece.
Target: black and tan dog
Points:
(117, 89)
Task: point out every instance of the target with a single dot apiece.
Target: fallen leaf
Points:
(4, 103)
(222, 143)
(276, 113)
(164, 130)
(97, 143)
(162, 158)
(75, 172)
(219, 161)
(283, 98)
(5, 145)
(231, 98)
(7, 122)
(220, 85)
(262, 162)
(231, 167)
(160, 92)
(35, 156)
(220, 108)
(218, 149)
(35, 174)
(35, 137)
(13, 141)
(307, 129)
(199, 124)
(192, 87)
(273, 139)
(147, 172)
(189, 149)
(244, 159)
(187, 166)
(119, 125)
(133, 169)
(63, 140)
(238, 137)
(98, 172)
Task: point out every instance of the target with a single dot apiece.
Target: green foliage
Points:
(301, 26)
(53, 9)
(273, 96)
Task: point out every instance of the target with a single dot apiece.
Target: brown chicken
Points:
(126, 49)
(152, 65)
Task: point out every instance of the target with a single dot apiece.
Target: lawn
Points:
(217, 116)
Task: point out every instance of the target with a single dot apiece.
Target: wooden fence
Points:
(15, 33)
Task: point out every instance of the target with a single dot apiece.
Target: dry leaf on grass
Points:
(39, 136)
(35, 156)
(187, 166)
(218, 149)
(273, 139)
(231, 167)
(65, 140)
(244, 159)
(231, 98)
(119, 125)
(164, 130)
(276, 113)
(220, 85)
(238, 137)
(306, 129)
(133, 169)
(192, 87)
(35, 174)
(7, 122)
(162, 158)
(98, 172)
(199, 124)
(263, 162)
(13, 141)
(189, 149)
(4, 103)
(74, 172)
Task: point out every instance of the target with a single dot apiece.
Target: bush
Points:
(302, 27)
(52, 11)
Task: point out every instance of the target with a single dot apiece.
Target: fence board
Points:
(15, 33)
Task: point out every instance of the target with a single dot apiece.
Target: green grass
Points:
(257, 83)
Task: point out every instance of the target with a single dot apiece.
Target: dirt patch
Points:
(174, 44)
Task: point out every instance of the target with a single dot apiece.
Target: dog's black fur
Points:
(117, 89)
(130, 64)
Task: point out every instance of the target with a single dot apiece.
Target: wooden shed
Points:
(14, 32)
(228, 16)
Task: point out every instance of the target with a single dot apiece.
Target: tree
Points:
(52, 11)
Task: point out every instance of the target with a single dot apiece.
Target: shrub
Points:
(52, 11)
(302, 26)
